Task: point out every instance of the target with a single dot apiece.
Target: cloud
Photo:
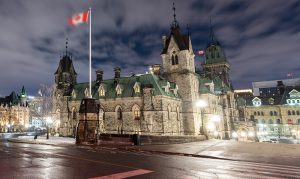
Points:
(260, 38)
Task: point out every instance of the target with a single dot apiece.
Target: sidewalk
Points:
(59, 141)
(287, 154)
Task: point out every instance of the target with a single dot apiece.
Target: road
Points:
(19, 160)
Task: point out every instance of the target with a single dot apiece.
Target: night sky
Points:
(261, 38)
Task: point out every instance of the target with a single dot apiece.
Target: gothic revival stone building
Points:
(14, 112)
(161, 102)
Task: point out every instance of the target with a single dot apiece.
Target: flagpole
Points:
(90, 55)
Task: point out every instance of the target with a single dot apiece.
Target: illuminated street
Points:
(45, 161)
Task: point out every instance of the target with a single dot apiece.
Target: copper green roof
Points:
(126, 83)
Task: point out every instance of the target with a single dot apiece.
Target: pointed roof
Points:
(181, 40)
(66, 64)
(23, 92)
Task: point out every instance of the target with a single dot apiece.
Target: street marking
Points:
(124, 174)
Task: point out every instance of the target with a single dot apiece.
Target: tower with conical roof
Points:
(179, 67)
(23, 97)
(215, 63)
(65, 75)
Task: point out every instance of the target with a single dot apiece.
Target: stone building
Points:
(14, 112)
(161, 102)
(276, 115)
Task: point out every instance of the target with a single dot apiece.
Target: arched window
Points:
(271, 113)
(258, 113)
(254, 113)
(297, 112)
(173, 60)
(298, 121)
(74, 114)
(136, 112)
(293, 112)
(289, 112)
(275, 113)
(278, 121)
(262, 113)
(119, 113)
(270, 121)
(176, 59)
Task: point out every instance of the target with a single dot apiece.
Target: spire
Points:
(66, 46)
(212, 34)
(175, 23)
(188, 29)
(23, 92)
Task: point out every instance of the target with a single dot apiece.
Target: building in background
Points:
(14, 112)
(269, 88)
(276, 111)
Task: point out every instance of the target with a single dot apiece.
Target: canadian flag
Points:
(79, 18)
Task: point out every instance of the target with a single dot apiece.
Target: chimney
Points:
(156, 69)
(99, 76)
(117, 72)
(164, 39)
(280, 87)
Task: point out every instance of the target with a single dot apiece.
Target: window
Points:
(258, 113)
(270, 121)
(262, 113)
(293, 112)
(102, 92)
(254, 113)
(289, 112)
(278, 121)
(271, 113)
(137, 87)
(136, 112)
(298, 121)
(174, 59)
(263, 121)
(297, 112)
(275, 113)
(119, 113)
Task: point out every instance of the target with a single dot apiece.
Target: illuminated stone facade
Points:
(14, 112)
(158, 102)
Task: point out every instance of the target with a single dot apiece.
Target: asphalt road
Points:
(19, 160)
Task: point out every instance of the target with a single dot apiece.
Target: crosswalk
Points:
(241, 170)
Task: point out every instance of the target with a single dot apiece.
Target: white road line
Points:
(124, 174)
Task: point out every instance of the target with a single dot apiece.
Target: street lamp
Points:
(201, 104)
(48, 121)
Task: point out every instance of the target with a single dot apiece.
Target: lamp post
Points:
(48, 121)
(201, 104)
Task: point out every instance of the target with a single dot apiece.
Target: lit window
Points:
(102, 92)
(136, 112)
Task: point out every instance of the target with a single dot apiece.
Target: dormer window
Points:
(137, 87)
(86, 92)
(174, 58)
(271, 101)
(73, 94)
(256, 102)
(119, 89)
(102, 92)
(167, 87)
